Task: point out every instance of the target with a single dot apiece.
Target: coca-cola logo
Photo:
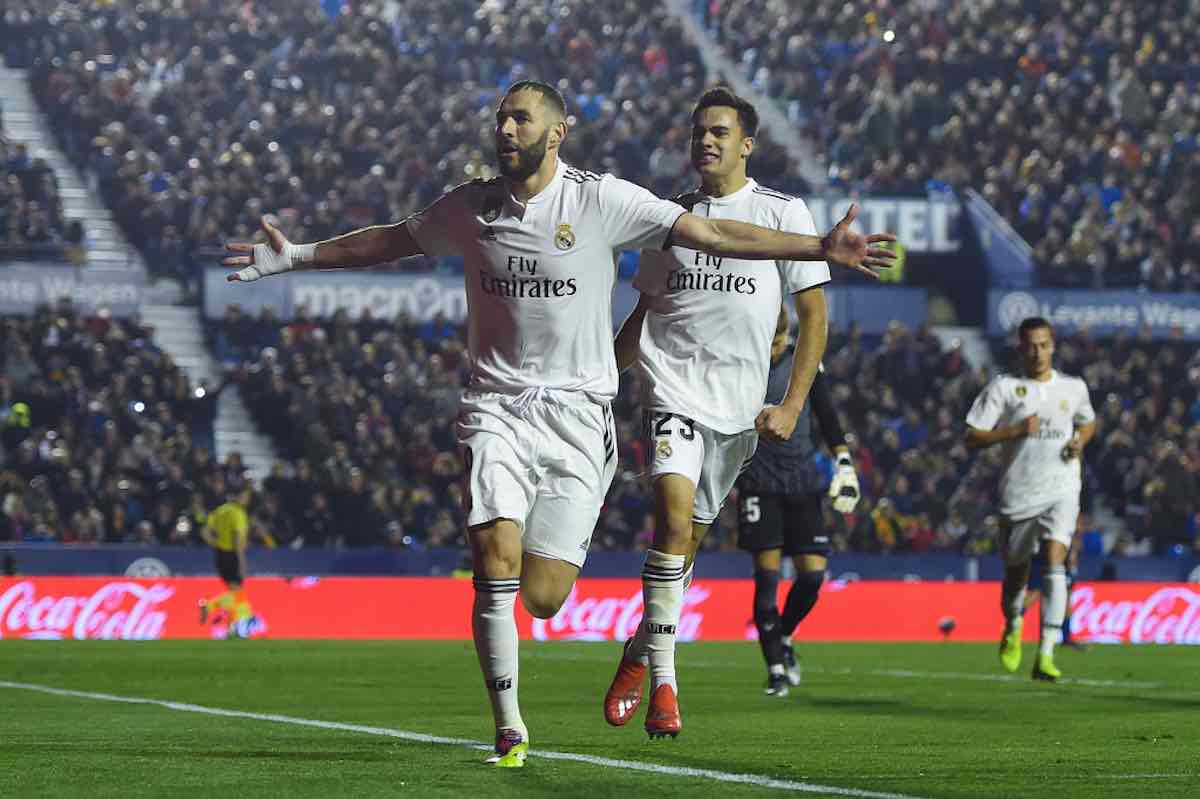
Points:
(117, 610)
(609, 618)
(1168, 616)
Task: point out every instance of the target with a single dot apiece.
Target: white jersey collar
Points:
(548, 190)
(729, 199)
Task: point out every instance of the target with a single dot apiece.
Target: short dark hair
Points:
(723, 97)
(1032, 323)
(550, 95)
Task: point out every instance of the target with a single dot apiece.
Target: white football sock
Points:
(638, 649)
(495, 632)
(1054, 608)
(662, 597)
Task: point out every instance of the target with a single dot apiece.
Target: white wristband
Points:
(302, 253)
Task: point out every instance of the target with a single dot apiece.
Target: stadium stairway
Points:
(772, 117)
(107, 247)
(178, 332)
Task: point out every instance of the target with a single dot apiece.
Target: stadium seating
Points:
(1080, 128)
(31, 219)
(351, 388)
(346, 121)
(99, 434)
(340, 123)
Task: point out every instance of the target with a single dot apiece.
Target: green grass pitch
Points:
(919, 720)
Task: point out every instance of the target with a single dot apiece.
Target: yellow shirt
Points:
(231, 525)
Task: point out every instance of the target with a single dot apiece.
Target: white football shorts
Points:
(711, 460)
(543, 459)
(1055, 521)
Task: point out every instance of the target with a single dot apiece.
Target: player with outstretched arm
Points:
(539, 245)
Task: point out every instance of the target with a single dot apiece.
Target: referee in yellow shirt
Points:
(227, 531)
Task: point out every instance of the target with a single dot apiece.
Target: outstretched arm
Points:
(841, 245)
(379, 244)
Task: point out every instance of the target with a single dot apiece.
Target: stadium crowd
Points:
(379, 398)
(100, 434)
(336, 123)
(1079, 122)
(104, 439)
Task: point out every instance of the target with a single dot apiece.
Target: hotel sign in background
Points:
(922, 225)
(1103, 313)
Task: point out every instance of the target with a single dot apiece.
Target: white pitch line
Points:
(605, 762)
(904, 674)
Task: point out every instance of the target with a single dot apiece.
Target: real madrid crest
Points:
(1022, 391)
(564, 238)
(1066, 406)
(664, 449)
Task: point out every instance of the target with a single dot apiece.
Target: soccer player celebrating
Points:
(779, 504)
(701, 335)
(539, 247)
(1043, 420)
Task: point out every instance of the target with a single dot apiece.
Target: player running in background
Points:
(1043, 420)
(539, 246)
(227, 531)
(701, 336)
(779, 513)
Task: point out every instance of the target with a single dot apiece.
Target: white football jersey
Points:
(705, 346)
(1035, 471)
(540, 274)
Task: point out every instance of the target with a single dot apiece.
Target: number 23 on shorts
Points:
(663, 424)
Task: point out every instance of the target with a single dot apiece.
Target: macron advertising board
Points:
(422, 298)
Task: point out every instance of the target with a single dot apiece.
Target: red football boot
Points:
(662, 718)
(625, 694)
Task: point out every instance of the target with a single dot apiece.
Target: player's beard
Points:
(529, 159)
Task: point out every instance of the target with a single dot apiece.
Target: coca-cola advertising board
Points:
(596, 610)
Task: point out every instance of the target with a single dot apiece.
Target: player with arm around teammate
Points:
(780, 513)
(539, 246)
(1043, 419)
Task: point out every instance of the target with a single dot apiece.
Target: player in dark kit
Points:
(779, 504)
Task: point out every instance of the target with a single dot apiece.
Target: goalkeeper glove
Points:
(844, 486)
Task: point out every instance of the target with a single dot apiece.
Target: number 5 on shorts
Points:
(751, 512)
